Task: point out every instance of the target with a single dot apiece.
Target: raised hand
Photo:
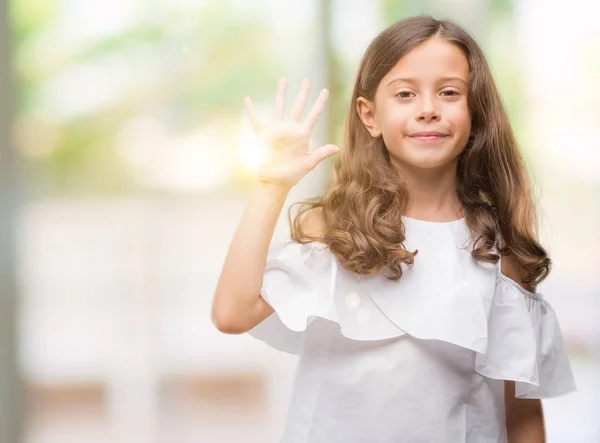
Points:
(287, 139)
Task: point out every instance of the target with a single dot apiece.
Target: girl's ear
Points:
(366, 111)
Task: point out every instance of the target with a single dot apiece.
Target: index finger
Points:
(254, 120)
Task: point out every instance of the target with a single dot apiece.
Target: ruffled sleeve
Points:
(295, 282)
(525, 344)
(303, 283)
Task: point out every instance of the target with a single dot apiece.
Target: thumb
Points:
(322, 153)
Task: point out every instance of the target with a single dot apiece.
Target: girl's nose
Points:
(427, 109)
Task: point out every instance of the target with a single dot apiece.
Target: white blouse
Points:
(421, 359)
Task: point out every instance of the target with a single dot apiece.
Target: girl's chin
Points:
(422, 163)
(424, 160)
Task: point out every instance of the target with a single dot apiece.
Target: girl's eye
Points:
(403, 94)
(449, 93)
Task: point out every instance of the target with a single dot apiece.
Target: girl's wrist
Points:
(273, 188)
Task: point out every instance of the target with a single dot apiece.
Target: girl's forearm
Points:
(240, 282)
(526, 426)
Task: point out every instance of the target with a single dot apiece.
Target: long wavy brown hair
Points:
(362, 207)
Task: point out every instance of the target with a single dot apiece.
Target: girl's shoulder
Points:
(512, 269)
(313, 222)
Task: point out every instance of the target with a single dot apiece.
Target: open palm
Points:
(287, 139)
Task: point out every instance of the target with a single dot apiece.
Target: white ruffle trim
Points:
(515, 333)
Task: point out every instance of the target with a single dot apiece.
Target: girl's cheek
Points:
(403, 113)
(460, 114)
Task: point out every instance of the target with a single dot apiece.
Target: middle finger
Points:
(280, 99)
(300, 102)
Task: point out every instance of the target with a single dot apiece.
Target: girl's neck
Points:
(432, 194)
(448, 214)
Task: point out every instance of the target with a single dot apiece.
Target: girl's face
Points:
(420, 107)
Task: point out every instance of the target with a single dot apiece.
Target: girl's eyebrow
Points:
(415, 81)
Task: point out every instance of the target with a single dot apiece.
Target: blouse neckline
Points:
(429, 222)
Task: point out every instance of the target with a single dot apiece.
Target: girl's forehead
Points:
(432, 60)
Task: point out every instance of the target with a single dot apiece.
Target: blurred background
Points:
(126, 159)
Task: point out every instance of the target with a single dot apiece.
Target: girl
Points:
(409, 288)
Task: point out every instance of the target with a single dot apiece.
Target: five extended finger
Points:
(298, 107)
(315, 112)
(322, 153)
(280, 99)
(254, 120)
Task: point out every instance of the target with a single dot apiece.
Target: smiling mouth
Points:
(428, 137)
